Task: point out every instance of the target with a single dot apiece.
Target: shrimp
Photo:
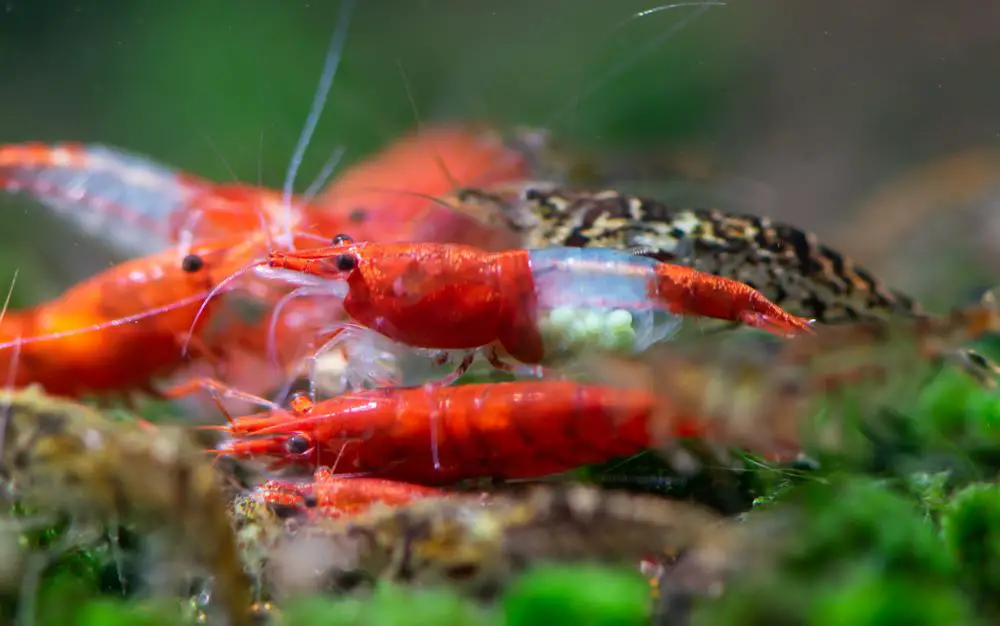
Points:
(64, 457)
(329, 495)
(452, 297)
(134, 204)
(434, 435)
(389, 197)
(123, 327)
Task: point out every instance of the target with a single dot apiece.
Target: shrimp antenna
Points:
(118, 321)
(272, 329)
(324, 174)
(210, 296)
(258, 209)
(333, 56)
(666, 7)
(643, 51)
(442, 202)
(416, 115)
(10, 294)
(14, 357)
(214, 147)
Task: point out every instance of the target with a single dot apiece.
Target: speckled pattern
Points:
(787, 265)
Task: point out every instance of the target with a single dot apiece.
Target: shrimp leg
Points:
(217, 390)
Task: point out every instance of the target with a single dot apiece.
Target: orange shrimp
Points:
(453, 297)
(435, 435)
(121, 328)
(389, 197)
(331, 496)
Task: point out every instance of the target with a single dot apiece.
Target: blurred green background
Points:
(803, 108)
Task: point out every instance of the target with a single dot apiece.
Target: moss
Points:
(577, 596)
(866, 597)
(387, 606)
(970, 527)
(863, 547)
(108, 612)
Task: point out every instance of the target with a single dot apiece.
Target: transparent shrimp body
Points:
(121, 198)
(597, 298)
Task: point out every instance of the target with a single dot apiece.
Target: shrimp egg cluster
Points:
(571, 329)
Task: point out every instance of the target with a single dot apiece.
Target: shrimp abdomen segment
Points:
(600, 296)
(688, 291)
(125, 199)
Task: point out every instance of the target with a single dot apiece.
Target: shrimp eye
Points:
(346, 262)
(310, 501)
(297, 444)
(192, 263)
(342, 239)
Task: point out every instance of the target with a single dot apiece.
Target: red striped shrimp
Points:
(435, 435)
(329, 495)
(531, 304)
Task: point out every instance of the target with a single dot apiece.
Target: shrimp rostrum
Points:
(531, 305)
(65, 458)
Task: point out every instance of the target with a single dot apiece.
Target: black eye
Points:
(192, 263)
(533, 194)
(342, 239)
(346, 262)
(309, 500)
(297, 444)
(358, 215)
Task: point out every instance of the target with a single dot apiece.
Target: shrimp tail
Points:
(690, 292)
